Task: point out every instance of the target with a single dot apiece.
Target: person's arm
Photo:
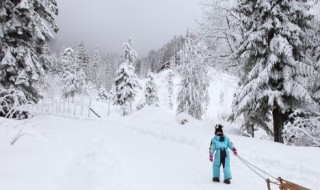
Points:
(211, 150)
(212, 147)
(231, 146)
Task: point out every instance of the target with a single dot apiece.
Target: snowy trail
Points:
(153, 163)
(137, 153)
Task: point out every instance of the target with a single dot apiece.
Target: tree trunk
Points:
(278, 122)
(252, 130)
(15, 2)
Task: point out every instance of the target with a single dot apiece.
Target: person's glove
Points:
(211, 157)
(235, 151)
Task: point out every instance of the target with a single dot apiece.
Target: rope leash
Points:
(283, 184)
(255, 168)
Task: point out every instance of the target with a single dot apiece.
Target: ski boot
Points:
(215, 179)
(227, 181)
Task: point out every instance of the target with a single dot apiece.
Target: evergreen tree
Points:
(83, 58)
(169, 52)
(275, 67)
(129, 54)
(93, 67)
(67, 61)
(73, 78)
(106, 69)
(24, 53)
(110, 70)
(170, 88)
(315, 52)
(126, 80)
(193, 96)
(151, 91)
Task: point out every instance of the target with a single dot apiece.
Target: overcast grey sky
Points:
(108, 23)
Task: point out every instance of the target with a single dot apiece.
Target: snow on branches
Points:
(193, 95)
(126, 80)
(125, 83)
(302, 129)
(151, 91)
(24, 53)
(10, 101)
(276, 71)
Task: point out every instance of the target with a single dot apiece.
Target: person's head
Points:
(218, 129)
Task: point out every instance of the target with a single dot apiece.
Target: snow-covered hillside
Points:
(146, 150)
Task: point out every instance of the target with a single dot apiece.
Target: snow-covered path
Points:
(141, 152)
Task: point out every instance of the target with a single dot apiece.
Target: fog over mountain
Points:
(108, 23)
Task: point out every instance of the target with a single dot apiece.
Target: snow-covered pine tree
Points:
(315, 52)
(104, 70)
(24, 54)
(126, 81)
(193, 94)
(151, 91)
(110, 70)
(275, 68)
(129, 54)
(73, 78)
(70, 84)
(67, 61)
(93, 67)
(170, 88)
(169, 52)
(83, 57)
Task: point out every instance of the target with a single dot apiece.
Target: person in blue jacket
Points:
(219, 147)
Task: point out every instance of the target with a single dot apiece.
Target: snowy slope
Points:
(146, 150)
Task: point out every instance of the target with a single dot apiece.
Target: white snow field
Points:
(148, 150)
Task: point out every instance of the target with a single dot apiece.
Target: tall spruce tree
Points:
(73, 78)
(126, 80)
(170, 87)
(129, 54)
(93, 67)
(24, 53)
(193, 95)
(275, 67)
(83, 57)
(315, 51)
(151, 91)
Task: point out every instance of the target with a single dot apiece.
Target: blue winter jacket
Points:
(216, 144)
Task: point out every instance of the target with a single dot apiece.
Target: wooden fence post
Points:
(89, 108)
(109, 102)
(81, 106)
(75, 107)
(68, 105)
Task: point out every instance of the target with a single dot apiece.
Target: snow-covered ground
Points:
(146, 150)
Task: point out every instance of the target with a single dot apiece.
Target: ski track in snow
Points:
(140, 155)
